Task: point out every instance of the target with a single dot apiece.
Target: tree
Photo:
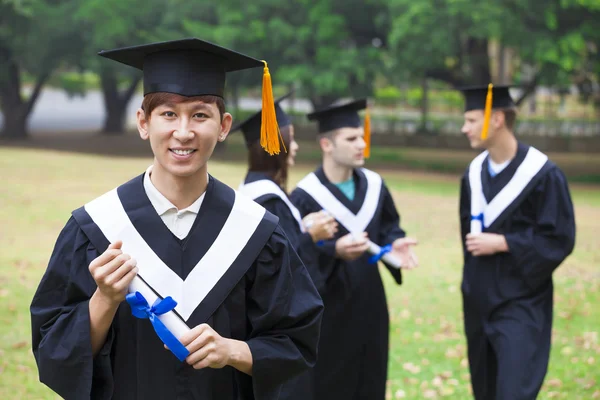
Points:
(114, 24)
(449, 40)
(35, 40)
(324, 47)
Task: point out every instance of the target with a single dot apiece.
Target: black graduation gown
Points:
(353, 349)
(301, 387)
(508, 297)
(273, 203)
(273, 306)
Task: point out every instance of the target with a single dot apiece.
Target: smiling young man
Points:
(353, 350)
(517, 227)
(251, 309)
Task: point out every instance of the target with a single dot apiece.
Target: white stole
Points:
(483, 214)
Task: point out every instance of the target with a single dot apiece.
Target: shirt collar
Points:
(160, 203)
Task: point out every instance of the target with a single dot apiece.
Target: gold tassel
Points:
(488, 113)
(367, 136)
(269, 130)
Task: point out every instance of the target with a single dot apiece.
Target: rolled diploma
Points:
(388, 257)
(174, 324)
(475, 226)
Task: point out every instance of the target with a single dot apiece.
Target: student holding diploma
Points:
(517, 226)
(173, 286)
(353, 350)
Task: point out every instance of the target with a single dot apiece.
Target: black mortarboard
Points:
(487, 98)
(475, 97)
(194, 67)
(338, 116)
(188, 67)
(251, 126)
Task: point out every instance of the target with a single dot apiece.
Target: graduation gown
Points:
(265, 298)
(267, 193)
(508, 297)
(353, 349)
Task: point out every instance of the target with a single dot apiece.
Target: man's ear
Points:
(142, 123)
(226, 122)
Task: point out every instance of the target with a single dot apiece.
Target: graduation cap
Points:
(487, 98)
(194, 67)
(251, 126)
(344, 116)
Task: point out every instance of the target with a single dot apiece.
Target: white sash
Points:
(484, 214)
(108, 213)
(354, 223)
(259, 188)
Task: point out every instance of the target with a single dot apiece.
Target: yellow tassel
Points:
(367, 136)
(269, 130)
(488, 113)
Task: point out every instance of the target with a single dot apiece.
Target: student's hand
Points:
(113, 271)
(402, 249)
(349, 247)
(320, 226)
(486, 244)
(207, 348)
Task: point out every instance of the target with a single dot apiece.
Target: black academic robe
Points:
(265, 298)
(353, 349)
(301, 387)
(508, 297)
(273, 203)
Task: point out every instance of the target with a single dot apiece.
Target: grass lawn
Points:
(427, 356)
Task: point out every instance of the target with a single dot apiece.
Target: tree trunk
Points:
(115, 102)
(502, 79)
(16, 111)
(424, 105)
(479, 61)
(322, 101)
(15, 126)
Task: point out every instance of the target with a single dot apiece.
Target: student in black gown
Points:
(517, 227)
(252, 310)
(266, 183)
(353, 350)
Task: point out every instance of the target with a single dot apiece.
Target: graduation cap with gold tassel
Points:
(252, 127)
(343, 115)
(193, 67)
(487, 98)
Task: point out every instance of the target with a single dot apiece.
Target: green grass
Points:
(427, 356)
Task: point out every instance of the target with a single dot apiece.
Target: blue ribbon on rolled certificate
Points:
(376, 257)
(477, 217)
(141, 309)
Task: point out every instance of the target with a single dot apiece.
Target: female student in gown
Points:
(266, 182)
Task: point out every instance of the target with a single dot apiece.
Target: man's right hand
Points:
(113, 271)
(350, 247)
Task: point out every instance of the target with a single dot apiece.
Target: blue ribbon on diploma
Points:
(141, 309)
(477, 218)
(376, 257)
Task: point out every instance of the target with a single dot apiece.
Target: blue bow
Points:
(141, 309)
(477, 218)
(376, 257)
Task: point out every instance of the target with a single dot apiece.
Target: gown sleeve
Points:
(543, 245)
(284, 313)
(60, 322)
(390, 228)
(464, 212)
(323, 253)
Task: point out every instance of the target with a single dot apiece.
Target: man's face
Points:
(183, 135)
(346, 147)
(473, 126)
